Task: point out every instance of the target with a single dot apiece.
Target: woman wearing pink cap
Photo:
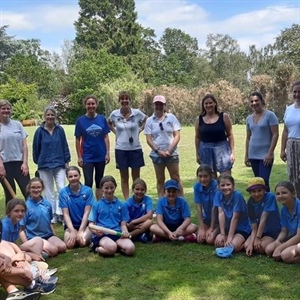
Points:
(162, 131)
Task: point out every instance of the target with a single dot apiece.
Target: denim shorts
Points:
(165, 160)
(133, 159)
(216, 155)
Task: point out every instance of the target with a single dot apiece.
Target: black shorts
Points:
(133, 159)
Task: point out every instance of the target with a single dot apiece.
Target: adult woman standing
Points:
(290, 140)
(50, 151)
(162, 132)
(214, 139)
(261, 138)
(92, 143)
(127, 123)
(13, 151)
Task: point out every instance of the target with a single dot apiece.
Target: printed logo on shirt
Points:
(94, 130)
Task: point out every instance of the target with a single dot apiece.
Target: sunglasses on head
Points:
(124, 98)
(161, 126)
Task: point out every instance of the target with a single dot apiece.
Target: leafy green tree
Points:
(179, 55)
(288, 45)
(110, 24)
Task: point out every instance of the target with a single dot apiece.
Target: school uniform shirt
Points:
(37, 219)
(205, 197)
(76, 203)
(109, 214)
(137, 210)
(10, 231)
(173, 215)
(92, 132)
(236, 203)
(267, 204)
(291, 221)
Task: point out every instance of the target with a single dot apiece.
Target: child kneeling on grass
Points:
(110, 213)
(264, 217)
(233, 218)
(140, 211)
(285, 246)
(173, 216)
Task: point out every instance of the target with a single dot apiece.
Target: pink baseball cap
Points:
(159, 98)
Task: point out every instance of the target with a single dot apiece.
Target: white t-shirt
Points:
(126, 129)
(12, 135)
(162, 135)
(292, 121)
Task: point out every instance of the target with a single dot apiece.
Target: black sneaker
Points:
(43, 288)
(21, 295)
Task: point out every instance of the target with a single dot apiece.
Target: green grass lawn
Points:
(172, 270)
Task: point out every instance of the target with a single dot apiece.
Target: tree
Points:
(109, 24)
(8, 47)
(178, 57)
(227, 60)
(288, 46)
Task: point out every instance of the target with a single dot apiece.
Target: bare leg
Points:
(173, 169)
(34, 245)
(143, 227)
(160, 178)
(107, 246)
(125, 183)
(126, 245)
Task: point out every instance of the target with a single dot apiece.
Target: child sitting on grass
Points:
(263, 215)
(233, 218)
(173, 216)
(15, 211)
(111, 213)
(140, 211)
(285, 245)
(204, 192)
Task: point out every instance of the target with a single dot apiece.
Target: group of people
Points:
(223, 214)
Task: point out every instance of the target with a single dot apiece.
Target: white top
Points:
(162, 134)
(12, 135)
(126, 129)
(292, 121)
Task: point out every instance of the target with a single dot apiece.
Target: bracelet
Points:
(258, 237)
(156, 150)
(223, 234)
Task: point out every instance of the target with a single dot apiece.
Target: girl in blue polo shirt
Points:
(263, 215)
(37, 220)
(15, 211)
(76, 201)
(204, 191)
(232, 215)
(140, 211)
(173, 216)
(284, 247)
(111, 213)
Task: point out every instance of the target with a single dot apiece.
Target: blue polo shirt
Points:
(137, 210)
(10, 231)
(236, 203)
(173, 215)
(205, 197)
(109, 214)
(37, 219)
(76, 203)
(267, 204)
(291, 221)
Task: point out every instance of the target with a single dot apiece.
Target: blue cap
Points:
(171, 184)
(225, 252)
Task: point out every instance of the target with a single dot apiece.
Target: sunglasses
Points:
(161, 126)
(124, 98)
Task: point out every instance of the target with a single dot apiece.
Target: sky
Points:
(250, 22)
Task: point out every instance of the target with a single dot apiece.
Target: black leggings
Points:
(88, 172)
(14, 173)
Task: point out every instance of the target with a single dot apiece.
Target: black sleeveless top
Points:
(212, 133)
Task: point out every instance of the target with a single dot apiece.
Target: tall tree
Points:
(288, 45)
(8, 47)
(178, 58)
(109, 24)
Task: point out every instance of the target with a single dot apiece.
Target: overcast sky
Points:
(248, 21)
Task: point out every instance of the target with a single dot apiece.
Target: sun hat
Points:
(169, 184)
(256, 183)
(225, 252)
(159, 98)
